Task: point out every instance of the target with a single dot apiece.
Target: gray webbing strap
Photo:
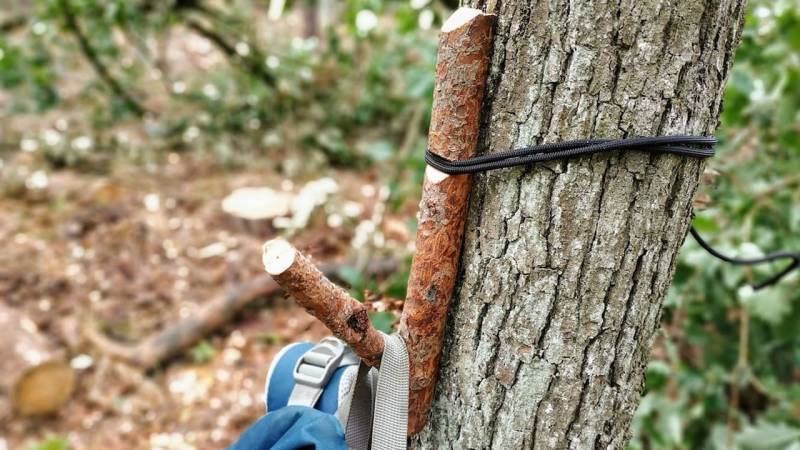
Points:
(359, 420)
(390, 419)
(377, 415)
(314, 369)
(379, 410)
(304, 395)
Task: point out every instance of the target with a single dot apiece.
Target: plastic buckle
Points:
(317, 365)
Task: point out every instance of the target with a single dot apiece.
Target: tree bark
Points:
(565, 264)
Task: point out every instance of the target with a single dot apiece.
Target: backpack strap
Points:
(374, 408)
(358, 422)
(314, 369)
(390, 419)
(379, 409)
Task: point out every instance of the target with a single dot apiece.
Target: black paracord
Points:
(696, 146)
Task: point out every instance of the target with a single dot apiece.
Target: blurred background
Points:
(148, 148)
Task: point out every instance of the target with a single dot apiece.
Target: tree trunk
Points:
(565, 264)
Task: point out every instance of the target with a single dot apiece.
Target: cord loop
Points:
(693, 146)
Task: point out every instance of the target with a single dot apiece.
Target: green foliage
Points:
(270, 339)
(730, 375)
(345, 94)
(203, 352)
(383, 321)
(353, 277)
(396, 285)
(51, 443)
(769, 436)
(27, 70)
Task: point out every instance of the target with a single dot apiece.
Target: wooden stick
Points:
(346, 317)
(463, 62)
(170, 341)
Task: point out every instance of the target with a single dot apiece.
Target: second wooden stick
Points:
(463, 63)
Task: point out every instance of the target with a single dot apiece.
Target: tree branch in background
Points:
(170, 341)
(254, 65)
(94, 59)
(12, 23)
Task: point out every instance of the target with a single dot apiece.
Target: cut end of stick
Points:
(278, 256)
(435, 176)
(43, 389)
(459, 18)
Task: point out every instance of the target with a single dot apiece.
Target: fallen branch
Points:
(169, 342)
(462, 65)
(346, 317)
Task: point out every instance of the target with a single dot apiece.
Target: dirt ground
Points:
(130, 252)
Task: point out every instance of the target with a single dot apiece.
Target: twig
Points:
(740, 371)
(343, 315)
(94, 59)
(144, 54)
(162, 345)
(253, 65)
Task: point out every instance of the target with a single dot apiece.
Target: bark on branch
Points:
(461, 70)
(463, 62)
(346, 317)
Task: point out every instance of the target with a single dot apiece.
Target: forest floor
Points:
(132, 250)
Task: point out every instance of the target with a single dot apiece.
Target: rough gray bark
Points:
(566, 264)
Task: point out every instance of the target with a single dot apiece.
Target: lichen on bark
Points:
(565, 264)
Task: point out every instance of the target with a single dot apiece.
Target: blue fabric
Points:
(293, 427)
(282, 382)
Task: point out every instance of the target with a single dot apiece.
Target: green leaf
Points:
(768, 436)
(705, 224)
(351, 276)
(657, 374)
(203, 352)
(770, 305)
(270, 338)
(51, 443)
(383, 320)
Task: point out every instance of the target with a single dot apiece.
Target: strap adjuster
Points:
(317, 365)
